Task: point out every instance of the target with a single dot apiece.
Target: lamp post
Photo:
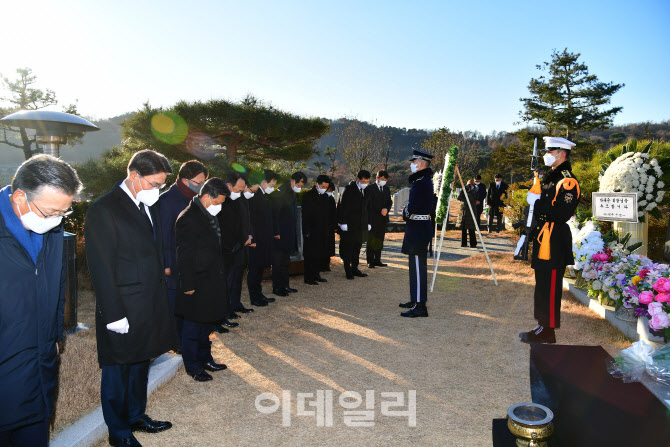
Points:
(52, 128)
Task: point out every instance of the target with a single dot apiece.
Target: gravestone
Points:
(400, 199)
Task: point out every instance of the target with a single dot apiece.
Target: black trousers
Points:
(548, 294)
(123, 395)
(280, 264)
(496, 212)
(313, 263)
(234, 281)
(33, 435)
(196, 349)
(418, 278)
(179, 321)
(254, 280)
(375, 247)
(350, 249)
(473, 237)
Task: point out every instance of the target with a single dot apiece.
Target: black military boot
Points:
(419, 310)
(539, 335)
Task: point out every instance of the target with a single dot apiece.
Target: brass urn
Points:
(530, 424)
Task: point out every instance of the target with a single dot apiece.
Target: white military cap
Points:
(553, 143)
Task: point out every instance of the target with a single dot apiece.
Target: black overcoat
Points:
(200, 268)
(418, 233)
(285, 212)
(467, 219)
(315, 224)
(379, 198)
(558, 212)
(353, 210)
(127, 272)
(234, 222)
(263, 229)
(332, 225)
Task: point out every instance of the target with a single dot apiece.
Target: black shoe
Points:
(464, 245)
(213, 366)
(311, 282)
(233, 316)
(244, 310)
(407, 305)
(259, 303)
(230, 324)
(200, 376)
(350, 275)
(220, 329)
(148, 425)
(280, 292)
(371, 265)
(269, 300)
(381, 264)
(358, 273)
(419, 310)
(125, 442)
(539, 335)
(291, 290)
(320, 279)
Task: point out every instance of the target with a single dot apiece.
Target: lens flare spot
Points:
(169, 127)
(238, 167)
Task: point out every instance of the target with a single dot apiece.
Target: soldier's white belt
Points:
(419, 217)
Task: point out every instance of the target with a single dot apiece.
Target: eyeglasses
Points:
(46, 216)
(153, 185)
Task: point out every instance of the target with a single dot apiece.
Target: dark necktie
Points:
(145, 211)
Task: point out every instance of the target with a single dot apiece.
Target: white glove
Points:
(369, 227)
(121, 326)
(531, 198)
(344, 227)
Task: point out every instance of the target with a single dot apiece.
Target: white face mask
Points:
(549, 159)
(234, 195)
(213, 209)
(413, 168)
(37, 224)
(330, 194)
(381, 182)
(146, 196)
(363, 185)
(268, 190)
(498, 183)
(476, 182)
(320, 191)
(296, 189)
(248, 194)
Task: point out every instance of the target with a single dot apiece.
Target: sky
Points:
(420, 64)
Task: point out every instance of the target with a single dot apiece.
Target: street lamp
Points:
(52, 128)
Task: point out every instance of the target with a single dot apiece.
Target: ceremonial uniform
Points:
(552, 243)
(418, 233)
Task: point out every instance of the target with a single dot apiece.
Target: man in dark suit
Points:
(380, 205)
(496, 194)
(315, 226)
(263, 230)
(171, 203)
(124, 247)
(202, 277)
(354, 222)
(32, 279)
(481, 196)
(285, 211)
(236, 236)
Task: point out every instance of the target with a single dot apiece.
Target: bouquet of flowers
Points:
(636, 172)
(586, 242)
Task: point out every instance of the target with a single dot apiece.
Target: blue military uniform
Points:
(418, 234)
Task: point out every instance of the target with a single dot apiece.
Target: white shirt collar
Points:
(130, 194)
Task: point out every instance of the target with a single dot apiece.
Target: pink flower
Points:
(646, 297)
(659, 321)
(655, 308)
(662, 285)
(663, 297)
(643, 273)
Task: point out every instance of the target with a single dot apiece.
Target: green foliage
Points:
(568, 100)
(248, 131)
(445, 193)
(515, 203)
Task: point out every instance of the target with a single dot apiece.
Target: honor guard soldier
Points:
(418, 231)
(552, 247)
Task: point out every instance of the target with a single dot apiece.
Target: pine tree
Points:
(567, 99)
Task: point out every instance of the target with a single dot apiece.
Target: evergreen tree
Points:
(567, 99)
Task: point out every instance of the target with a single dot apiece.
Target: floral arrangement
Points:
(586, 242)
(443, 191)
(636, 172)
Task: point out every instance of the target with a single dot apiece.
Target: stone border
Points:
(91, 428)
